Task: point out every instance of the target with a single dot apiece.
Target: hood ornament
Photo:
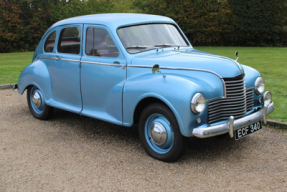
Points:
(236, 56)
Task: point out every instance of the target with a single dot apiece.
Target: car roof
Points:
(115, 20)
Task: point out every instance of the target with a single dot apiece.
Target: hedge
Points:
(208, 22)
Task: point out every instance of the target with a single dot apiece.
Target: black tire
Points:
(178, 147)
(44, 112)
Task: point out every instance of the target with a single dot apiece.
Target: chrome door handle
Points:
(118, 64)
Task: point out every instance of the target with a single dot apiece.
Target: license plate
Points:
(247, 130)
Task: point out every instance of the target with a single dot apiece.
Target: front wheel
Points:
(160, 134)
(36, 103)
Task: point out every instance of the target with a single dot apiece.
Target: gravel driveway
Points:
(73, 153)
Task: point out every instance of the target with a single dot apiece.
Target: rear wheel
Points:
(160, 134)
(36, 103)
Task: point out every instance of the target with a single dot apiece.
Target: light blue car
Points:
(141, 69)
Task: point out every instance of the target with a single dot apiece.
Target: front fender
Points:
(175, 90)
(250, 76)
(36, 74)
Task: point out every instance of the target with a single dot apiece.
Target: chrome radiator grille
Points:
(249, 99)
(236, 103)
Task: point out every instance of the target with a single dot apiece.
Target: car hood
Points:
(191, 58)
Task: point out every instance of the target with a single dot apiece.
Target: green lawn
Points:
(270, 62)
(11, 65)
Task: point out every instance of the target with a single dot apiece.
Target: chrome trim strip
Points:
(213, 56)
(211, 100)
(107, 64)
(192, 69)
(71, 60)
(223, 114)
(53, 58)
(240, 90)
(225, 107)
(141, 66)
(227, 100)
(188, 69)
(235, 94)
(217, 56)
(88, 62)
(236, 81)
(205, 132)
(239, 66)
(224, 87)
(237, 84)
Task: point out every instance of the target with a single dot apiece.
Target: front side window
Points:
(50, 42)
(99, 43)
(150, 36)
(70, 40)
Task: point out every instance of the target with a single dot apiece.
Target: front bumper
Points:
(231, 124)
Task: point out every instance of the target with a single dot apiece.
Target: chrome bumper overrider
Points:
(231, 124)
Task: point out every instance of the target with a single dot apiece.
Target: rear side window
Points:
(99, 43)
(70, 40)
(50, 42)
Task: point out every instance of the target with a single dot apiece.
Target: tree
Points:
(259, 22)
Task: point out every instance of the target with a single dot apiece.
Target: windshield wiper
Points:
(166, 45)
(136, 47)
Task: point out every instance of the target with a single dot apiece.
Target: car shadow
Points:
(210, 148)
(89, 128)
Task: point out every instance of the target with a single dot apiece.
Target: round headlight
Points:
(259, 85)
(197, 103)
(267, 98)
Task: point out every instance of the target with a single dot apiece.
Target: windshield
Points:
(151, 36)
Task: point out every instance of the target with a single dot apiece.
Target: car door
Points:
(103, 74)
(65, 69)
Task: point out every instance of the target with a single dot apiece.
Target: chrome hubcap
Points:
(36, 98)
(158, 133)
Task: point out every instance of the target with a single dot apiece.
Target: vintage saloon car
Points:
(141, 69)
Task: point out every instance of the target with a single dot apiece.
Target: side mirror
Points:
(155, 68)
(236, 56)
